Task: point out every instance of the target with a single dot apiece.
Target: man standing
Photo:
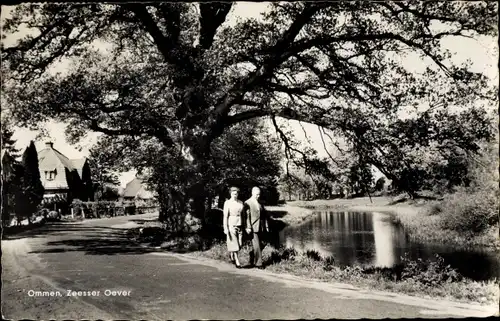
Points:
(256, 224)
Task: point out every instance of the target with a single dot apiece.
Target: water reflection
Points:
(374, 239)
(383, 232)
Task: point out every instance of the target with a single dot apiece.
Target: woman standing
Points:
(232, 221)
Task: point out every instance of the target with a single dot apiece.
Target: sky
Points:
(483, 53)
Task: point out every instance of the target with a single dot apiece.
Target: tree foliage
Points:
(177, 74)
(31, 188)
(474, 207)
(102, 174)
(238, 157)
(8, 143)
(246, 155)
(11, 180)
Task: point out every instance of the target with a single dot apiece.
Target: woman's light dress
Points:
(233, 211)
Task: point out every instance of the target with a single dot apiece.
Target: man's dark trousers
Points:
(256, 252)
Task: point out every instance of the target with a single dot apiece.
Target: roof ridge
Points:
(65, 160)
(55, 150)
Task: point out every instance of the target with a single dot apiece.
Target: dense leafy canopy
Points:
(101, 165)
(179, 74)
(241, 156)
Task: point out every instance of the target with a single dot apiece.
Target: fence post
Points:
(72, 213)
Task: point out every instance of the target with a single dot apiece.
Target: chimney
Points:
(49, 144)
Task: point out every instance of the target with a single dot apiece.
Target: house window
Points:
(50, 175)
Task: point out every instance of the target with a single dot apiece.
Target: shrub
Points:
(328, 263)
(281, 254)
(428, 272)
(465, 211)
(77, 206)
(288, 253)
(314, 255)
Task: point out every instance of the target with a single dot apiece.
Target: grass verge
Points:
(429, 279)
(422, 225)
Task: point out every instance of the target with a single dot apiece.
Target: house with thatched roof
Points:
(64, 179)
(137, 191)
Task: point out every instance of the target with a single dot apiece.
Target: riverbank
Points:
(422, 279)
(289, 215)
(417, 217)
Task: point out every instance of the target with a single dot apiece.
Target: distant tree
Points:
(11, 183)
(8, 143)
(31, 186)
(246, 155)
(101, 164)
(379, 184)
(290, 185)
(483, 172)
(299, 184)
(87, 193)
(432, 146)
(360, 178)
(109, 193)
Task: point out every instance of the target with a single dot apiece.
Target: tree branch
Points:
(289, 148)
(171, 16)
(212, 15)
(306, 44)
(275, 57)
(170, 51)
(326, 149)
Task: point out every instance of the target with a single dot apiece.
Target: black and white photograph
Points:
(249, 160)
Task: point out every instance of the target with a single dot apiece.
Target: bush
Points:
(314, 255)
(328, 263)
(431, 273)
(465, 211)
(281, 254)
(53, 216)
(288, 253)
(77, 206)
(102, 209)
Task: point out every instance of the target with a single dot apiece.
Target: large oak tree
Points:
(178, 73)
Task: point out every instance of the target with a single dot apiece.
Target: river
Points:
(372, 238)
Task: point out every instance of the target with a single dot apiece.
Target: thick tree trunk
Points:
(182, 187)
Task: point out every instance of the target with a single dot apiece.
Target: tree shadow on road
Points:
(96, 246)
(47, 229)
(90, 239)
(99, 241)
